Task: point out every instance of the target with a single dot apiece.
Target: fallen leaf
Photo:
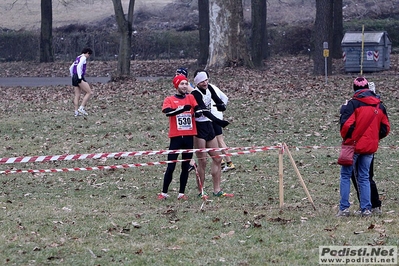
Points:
(371, 226)
(222, 235)
(257, 224)
(175, 248)
(139, 252)
(136, 225)
(387, 221)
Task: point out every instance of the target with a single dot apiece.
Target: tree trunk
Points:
(258, 29)
(203, 10)
(125, 29)
(227, 46)
(46, 31)
(266, 50)
(323, 33)
(338, 30)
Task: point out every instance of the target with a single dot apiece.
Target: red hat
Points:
(177, 79)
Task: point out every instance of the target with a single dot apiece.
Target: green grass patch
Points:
(112, 217)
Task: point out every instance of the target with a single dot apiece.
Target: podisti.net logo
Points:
(374, 255)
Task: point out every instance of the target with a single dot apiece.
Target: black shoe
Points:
(192, 167)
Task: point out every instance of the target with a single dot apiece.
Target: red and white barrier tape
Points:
(243, 150)
(335, 147)
(66, 157)
(122, 166)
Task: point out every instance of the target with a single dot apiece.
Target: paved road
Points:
(36, 82)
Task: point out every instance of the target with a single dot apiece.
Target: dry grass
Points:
(112, 217)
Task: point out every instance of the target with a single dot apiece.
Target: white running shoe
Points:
(343, 213)
(82, 111)
(228, 167)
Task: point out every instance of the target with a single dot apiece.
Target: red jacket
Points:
(356, 116)
(183, 123)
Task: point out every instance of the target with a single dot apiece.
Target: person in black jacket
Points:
(363, 122)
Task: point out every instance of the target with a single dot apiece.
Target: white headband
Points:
(201, 76)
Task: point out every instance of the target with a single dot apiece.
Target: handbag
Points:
(348, 147)
(346, 155)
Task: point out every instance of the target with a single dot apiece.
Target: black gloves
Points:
(220, 107)
(178, 110)
(198, 113)
(222, 123)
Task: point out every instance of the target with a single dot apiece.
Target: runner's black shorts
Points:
(218, 129)
(75, 80)
(205, 130)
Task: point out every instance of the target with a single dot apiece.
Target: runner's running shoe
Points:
(222, 194)
(162, 196)
(182, 197)
(203, 196)
(229, 166)
(82, 111)
(192, 167)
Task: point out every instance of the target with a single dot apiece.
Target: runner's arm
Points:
(171, 112)
(79, 68)
(201, 109)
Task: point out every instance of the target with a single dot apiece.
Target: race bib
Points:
(184, 121)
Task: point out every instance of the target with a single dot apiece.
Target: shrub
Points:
(164, 44)
(391, 26)
(19, 45)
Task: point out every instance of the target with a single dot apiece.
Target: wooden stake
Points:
(299, 175)
(280, 175)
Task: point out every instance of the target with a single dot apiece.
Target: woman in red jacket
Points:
(363, 118)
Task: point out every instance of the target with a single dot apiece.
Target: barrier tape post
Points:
(280, 175)
(299, 176)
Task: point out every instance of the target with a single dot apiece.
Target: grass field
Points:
(112, 217)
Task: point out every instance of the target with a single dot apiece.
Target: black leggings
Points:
(176, 143)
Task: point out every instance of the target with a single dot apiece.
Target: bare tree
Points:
(46, 31)
(125, 28)
(338, 27)
(258, 28)
(323, 33)
(227, 44)
(203, 10)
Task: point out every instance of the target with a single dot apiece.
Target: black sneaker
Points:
(223, 163)
(192, 167)
(376, 210)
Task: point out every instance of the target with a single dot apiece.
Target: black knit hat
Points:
(182, 71)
